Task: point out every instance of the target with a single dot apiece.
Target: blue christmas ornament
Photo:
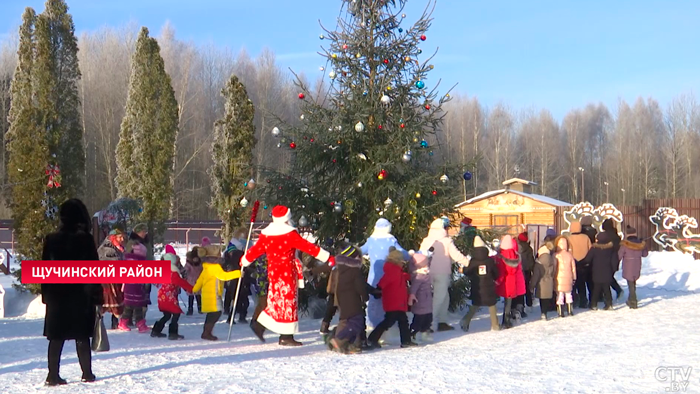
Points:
(364, 93)
(400, 30)
(265, 207)
(467, 176)
(420, 84)
(430, 153)
(424, 144)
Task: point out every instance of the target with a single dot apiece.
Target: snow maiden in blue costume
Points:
(377, 247)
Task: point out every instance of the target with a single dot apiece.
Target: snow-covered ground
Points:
(593, 352)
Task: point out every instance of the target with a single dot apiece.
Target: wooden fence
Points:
(637, 216)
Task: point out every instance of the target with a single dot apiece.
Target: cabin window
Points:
(509, 222)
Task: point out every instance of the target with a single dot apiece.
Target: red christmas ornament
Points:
(306, 138)
(345, 46)
(402, 125)
(434, 192)
(311, 140)
(386, 61)
(427, 106)
(423, 37)
(382, 174)
(301, 96)
(268, 181)
(292, 145)
(280, 188)
(334, 161)
(332, 203)
(54, 173)
(379, 127)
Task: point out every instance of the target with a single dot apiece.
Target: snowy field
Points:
(593, 352)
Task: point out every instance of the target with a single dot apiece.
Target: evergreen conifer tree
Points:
(365, 150)
(146, 148)
(232, 153)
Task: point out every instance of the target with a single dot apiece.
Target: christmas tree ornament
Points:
(338, 207)
(424, 144)
(382, 175)
(54, 174)
(400, 30)
(402, 125)
(406, 157)
(279, 144)
(292, 145)
(379, 127)
(359, 127)
(322, 68)
(427, 106)
(415, 139)
(244, 202)
(388, 88)
(423, 37)
(386, 61)
(362, 156)
(403, 15)
(334, 56)
(364, 93)
(420, 51)
(431, 67)
(359, 184)
(303, 221)
(321, 36)
(311, 140)
(357, 55)
(265, 207)
(420, 84)
(276, 131)
(417, 195)
(407, 59)
(283, 140)
(413, 203)
(444, 178)
(338, 128)
(430, 153)
(331, 74)
(345, 46)
(434, 192)
(301, 96)
(251, 184)
(388, 202)
(386, 100)
(301, 116)
(386, 35)
(467, 176)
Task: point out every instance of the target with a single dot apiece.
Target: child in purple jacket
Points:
(421, 298)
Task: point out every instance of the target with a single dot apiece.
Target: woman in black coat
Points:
(483, 274)
(603, 260)
(609, 227)
(70, 308)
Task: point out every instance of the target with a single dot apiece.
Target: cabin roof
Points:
(543, 199)
(518, 180)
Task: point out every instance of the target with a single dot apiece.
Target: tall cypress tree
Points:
(232, 152)
(146, 148)
(27, 148)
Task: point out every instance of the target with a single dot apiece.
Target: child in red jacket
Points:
(395, 300)
(168, 298)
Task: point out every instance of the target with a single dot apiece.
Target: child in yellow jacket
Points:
(211, 284)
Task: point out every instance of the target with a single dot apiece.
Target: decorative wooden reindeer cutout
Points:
(598, 214)
(673, 231)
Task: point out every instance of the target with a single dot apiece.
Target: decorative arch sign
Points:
(598, 214)
(673, 231)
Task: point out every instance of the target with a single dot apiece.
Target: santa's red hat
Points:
(467, 221)
(281, 214)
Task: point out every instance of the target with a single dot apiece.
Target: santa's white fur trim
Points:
(278, 327)
(277, 228)
(323, 255)
(245, 262)
(283, 219)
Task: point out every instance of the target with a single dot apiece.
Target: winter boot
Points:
(173, 334)
(88, 378)
(570, 306)
(157, 331)
(409, 344)
(115, 322)
(258, 330)
(620, 294)
(560, 311)
(324, 328)
(242, 320)
(288, 340)
(373, 345)
(444, 327)
(54, 381)
(123, 325)
(608, 307)
(141, 324)
(189, 312)
(543, 316)
(207, 332)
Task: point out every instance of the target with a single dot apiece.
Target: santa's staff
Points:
(256, 206)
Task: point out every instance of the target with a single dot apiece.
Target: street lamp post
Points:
(607, 191)
(623, 197)
(583, 184)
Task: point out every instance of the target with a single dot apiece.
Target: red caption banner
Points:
(130, 271)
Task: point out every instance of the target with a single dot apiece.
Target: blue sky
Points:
(544, 54)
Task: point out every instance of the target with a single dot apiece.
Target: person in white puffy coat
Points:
(443, 255)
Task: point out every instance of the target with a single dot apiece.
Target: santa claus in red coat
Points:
(279, 241)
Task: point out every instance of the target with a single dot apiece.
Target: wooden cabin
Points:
(510, 207)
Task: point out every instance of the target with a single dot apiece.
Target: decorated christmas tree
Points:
(363, 149)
